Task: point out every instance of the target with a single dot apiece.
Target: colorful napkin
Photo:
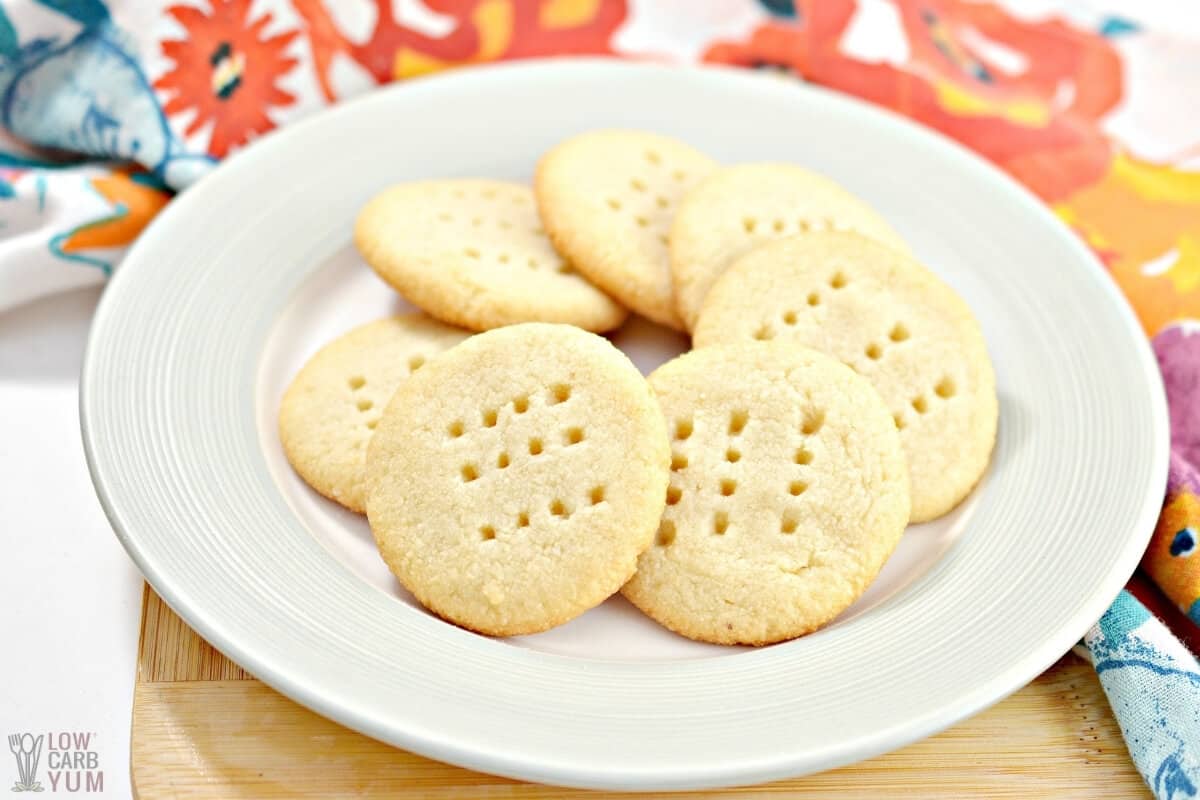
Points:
(1094, 106)
(1153, 684)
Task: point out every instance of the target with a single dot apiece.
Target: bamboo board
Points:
(204, 728)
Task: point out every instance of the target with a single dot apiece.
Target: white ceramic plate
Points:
(249, 272)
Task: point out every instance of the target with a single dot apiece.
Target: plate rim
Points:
(538, 768)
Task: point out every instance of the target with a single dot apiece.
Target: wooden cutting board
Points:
(204, 728)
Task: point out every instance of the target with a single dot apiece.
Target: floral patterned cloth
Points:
(1153, 684)
(107, 108)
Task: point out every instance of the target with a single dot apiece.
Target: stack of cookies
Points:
(745, 492)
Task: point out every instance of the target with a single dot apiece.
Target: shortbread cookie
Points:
(892, 321)
(738, 208)
(332, 406)
(473, 253)
(515, 480)
(788, 492)
(607, 199)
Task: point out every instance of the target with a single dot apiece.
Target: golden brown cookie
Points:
(607, 199)
(515, 480)
(473, 253)
(788, 492)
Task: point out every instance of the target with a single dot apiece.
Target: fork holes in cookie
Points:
(371, 425)
(678, 174)
(469, 473)
(788, 524)
(813, 420)
(535, 447)
(813, 299)
(523, 520)
(357, 382)
(803, 456)
(728, 487)
(778, 226)
(490, 416)
(920, 404)
(614, 204)
(415, 363)
(737, 421)
(471, 252)
(874, 351)
(596, 495)
(749, 224)
(455, 429)
(638, 185)
(503, 258)
(661, 201)
(502, 461)
(899, 421)
(573, 436)
(521, 404)
(653, 157)
(666, 533)
(797, 488)
(789, 317)
(838, 281)
(683, 429)
(642, 222)
(764, 333)
(559, 509)
(487, 532)
(899, 332)
(365, 405)
(674, 495)
(720, 523)
(678, 462)
(559, 393)
(945, 388)
(733, 455)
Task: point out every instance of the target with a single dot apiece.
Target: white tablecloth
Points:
(70, 598)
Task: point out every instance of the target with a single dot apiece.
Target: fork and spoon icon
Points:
(27, 751)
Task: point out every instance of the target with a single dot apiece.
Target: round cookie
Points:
(740, 207)
(607, 199)
(473, 253)
(515, 480)
(330, 410)
(892, 321)
(788, 492)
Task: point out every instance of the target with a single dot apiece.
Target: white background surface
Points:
(70, 598)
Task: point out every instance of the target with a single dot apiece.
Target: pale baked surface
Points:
(473, 253)
(891, 320)
(515, 480)
(330, 410)
(788, 492)
(607, 199)
(737, 208)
